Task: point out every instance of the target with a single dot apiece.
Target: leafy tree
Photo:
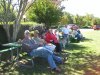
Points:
(11, 15)
(10, 6)
(76, 19)
(63, 20)
(88, 20)
(66, 18)
(45, 11)
(82, 21)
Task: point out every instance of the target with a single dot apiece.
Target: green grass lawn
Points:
(84, 59)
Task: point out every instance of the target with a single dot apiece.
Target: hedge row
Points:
(3, 36)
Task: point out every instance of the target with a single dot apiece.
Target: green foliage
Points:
(88, 20)
(66, 19)
(82, 21)
(77, 19)
(10, 16)
(45, 11)
(96, 21)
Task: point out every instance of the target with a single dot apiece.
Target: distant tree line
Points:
(83, 21)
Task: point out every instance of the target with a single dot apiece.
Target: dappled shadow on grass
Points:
(42, 67)
(92, 65)
(74, 46)
(87, 40)
(87, 64)
(80, 62)
(84, 64)
(6, 67)
(39, 68)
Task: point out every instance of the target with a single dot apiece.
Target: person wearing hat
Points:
(36, 50)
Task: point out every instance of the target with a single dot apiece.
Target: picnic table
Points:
(11, 47)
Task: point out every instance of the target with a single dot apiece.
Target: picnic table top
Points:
(8, 49)
(15, 44)
(12, 46)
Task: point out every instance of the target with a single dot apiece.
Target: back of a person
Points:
(65, 30)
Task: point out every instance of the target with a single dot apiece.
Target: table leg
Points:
(12, 56)
(17, 57)
(0, 57)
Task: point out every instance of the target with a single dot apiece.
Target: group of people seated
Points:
(50, 44)
(76, 33)
(68, 33)
(45, 48)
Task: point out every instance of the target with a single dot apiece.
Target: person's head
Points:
(66, 26)
(32, 34)
(27, 33)
(56, 30)
(36, 32)
(50, 30)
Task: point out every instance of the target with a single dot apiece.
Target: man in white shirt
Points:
(65, 32)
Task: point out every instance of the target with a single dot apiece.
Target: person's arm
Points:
(26, 47)
(34, 45)
(29, 45)
(42, 41)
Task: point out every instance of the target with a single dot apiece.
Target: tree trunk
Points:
(8, 35)
(6, 28)
(15, 32)
(16, 28)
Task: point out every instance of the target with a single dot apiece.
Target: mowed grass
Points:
(93, 42)
(83, 59)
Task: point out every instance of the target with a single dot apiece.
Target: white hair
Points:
(26, 32)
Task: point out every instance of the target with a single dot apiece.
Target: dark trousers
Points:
(58, 47)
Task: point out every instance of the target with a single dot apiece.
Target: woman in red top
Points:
(51, 38)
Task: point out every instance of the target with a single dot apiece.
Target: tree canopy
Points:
(45, 11)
